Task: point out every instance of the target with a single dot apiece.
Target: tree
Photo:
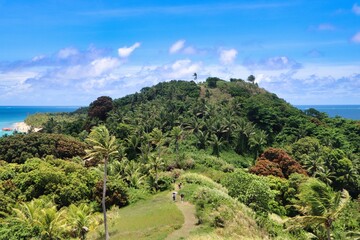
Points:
(251, 79)
(103, 146)
(319, 205)
(276, 162)
(257, 141)
(176, 134)
(81, 219)
(100, 108)
(216, 144)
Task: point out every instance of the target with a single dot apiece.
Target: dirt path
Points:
(188, 210)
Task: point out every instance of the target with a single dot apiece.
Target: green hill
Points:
(248, 161)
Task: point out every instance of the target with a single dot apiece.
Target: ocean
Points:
(345, 111)
(13, 114)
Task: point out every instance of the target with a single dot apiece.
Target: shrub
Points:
(250, 189)
(116, 193)
(276, 162)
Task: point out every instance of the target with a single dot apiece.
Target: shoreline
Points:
(23, 127)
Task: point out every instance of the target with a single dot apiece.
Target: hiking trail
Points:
(190, 221)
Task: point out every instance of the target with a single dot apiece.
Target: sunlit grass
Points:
(154, 218)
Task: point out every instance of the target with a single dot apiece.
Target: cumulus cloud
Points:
(181, 47)
(67, 52)
(273, 63)
(177, 46)
(76, 76)
(228, 56)
(313, 89)
(125, 52)
(356, 9)
(356, 38)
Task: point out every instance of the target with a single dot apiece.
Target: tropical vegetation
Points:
(254, 166)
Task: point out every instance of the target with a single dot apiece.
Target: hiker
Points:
(174, 196)
(179, 185)
(182, 197)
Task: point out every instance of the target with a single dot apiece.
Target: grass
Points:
(154, 218)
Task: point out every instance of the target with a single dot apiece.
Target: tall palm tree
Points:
(243, 130)
(216, 144)
(157, 138)
(103, 146)
(177, 134)
(257, 141)
(319, 206)
(154, 165)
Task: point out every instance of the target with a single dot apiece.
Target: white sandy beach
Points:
(23, 127)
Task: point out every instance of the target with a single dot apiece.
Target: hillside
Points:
(252, 164)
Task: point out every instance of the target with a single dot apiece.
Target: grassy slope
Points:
(154, 218)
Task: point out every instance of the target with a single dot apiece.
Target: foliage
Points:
(67, 182)
(100, 107)
(251, 190)
(18, 148)
(216, 208)
(40, 219)
(116, 193)
(278, 163)
(320, 206)
(103, 147)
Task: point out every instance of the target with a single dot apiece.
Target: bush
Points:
(250, 189)
(18, 148)
(116, 193)
(165, 181)
(276, 162)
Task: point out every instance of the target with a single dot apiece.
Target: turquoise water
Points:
(345, 111)
(13, 114)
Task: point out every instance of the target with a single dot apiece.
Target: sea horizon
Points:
(10, 115)
(349, 111)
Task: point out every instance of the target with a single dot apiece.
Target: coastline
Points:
(23, 127)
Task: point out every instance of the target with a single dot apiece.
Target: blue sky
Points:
(62, 52)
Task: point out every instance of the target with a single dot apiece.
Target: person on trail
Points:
(182, 197)
(174, 196)
(179, 185)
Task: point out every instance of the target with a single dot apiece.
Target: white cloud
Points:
(125, 52)
(356, 9)
(67, 52)
(273, 63)
(189, 50)
(228, 56)
(356, 38)
(177, 46)
(325, 27)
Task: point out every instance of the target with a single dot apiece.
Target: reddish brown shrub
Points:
(276, 162)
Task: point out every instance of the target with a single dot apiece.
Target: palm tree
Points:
(217, 144)
(154, 165)
(176, 133)
(103, 146)
(257, 141)
(325, 175)
(202, 138)
(81, 219)
(313, 164)
(244, 129)
(157, 138)
(52, 223)
(319, 206)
